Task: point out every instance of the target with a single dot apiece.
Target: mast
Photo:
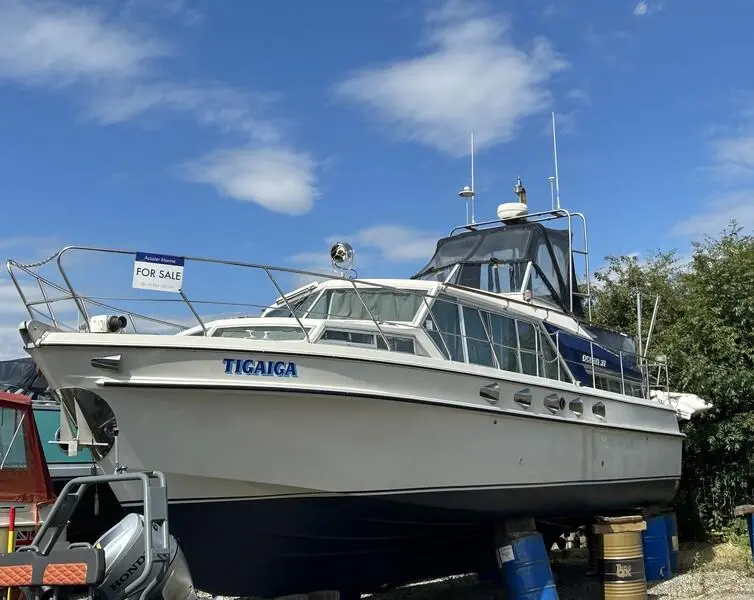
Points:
(468, 193)
(555, 152)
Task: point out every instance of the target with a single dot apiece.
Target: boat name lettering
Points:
(280, 368)
(597, 362)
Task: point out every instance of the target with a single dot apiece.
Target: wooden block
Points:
(625, 524)
(743, 510)
(655, 511)
(523, 525)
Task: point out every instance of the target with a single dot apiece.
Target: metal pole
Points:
(638, 323)
(652, 325)
(555, 150)
(473, 189)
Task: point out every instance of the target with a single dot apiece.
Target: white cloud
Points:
(716, 215)
(10, 343)
(473, 78)
(578, 95)
(385, 246)
(225, 108)
(734, 156)
(644, 8)
(180, 10)
(395, 243)
(551, 10)
(51, 44)
(115, 68)
(279, 180)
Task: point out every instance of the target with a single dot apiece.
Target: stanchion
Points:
(619, 551)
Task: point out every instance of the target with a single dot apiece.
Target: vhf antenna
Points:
(468, 193)
(555, 152)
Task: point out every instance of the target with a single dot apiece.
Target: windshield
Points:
(384, 305)
(299, 305)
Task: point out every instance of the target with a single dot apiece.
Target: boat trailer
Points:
(123, 564)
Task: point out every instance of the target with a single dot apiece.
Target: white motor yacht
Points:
(367, 432)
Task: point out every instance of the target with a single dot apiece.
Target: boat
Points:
(25, 483)
(361, 433)
(98, 506)
(22, 376)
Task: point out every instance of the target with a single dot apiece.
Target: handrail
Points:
(81, 303)
(548, 215)
(643, 367)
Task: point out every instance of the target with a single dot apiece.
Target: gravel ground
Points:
(722, 572)
(717, 584)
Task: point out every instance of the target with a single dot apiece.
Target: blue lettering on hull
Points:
(270, 368)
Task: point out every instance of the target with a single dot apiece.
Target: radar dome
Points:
(511, 210)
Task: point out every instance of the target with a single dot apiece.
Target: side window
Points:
(503, 331)
(549, 365)
(12, 439)
(319, 309)
(477, 343)
(445, 328)
(527, 339)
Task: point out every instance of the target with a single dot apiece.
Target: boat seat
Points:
(78, 566)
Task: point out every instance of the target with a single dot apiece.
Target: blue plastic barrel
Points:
(526, 568)
(672, 524)
(655, 541)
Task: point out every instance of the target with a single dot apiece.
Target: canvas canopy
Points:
(22, 376)
(480, 251)
(24, 476)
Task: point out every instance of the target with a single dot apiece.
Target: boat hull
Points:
(357, 472)
(280, 546)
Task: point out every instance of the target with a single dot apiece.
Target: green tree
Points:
(706, 329)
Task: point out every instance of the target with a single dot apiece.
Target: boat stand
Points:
(620, 554)
(524, 561)
(41, 570)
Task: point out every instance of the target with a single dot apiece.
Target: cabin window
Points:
(384, 305)
(397, 344)
(493, 340)
(12, 439)
(277, 334)
(504, 341)
(527, 338)
(550, 366)
(444, 327)
(477, 342)
(613, 384)
(502, 278)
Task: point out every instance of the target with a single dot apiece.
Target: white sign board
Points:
(158, 272)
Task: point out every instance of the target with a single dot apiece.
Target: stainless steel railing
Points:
(52, 293)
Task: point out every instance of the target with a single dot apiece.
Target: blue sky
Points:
(262, 130)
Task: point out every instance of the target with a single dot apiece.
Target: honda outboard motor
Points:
(123, 546)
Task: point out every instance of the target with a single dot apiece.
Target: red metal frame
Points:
(32, 484)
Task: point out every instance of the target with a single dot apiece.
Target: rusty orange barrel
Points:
(621, 557)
